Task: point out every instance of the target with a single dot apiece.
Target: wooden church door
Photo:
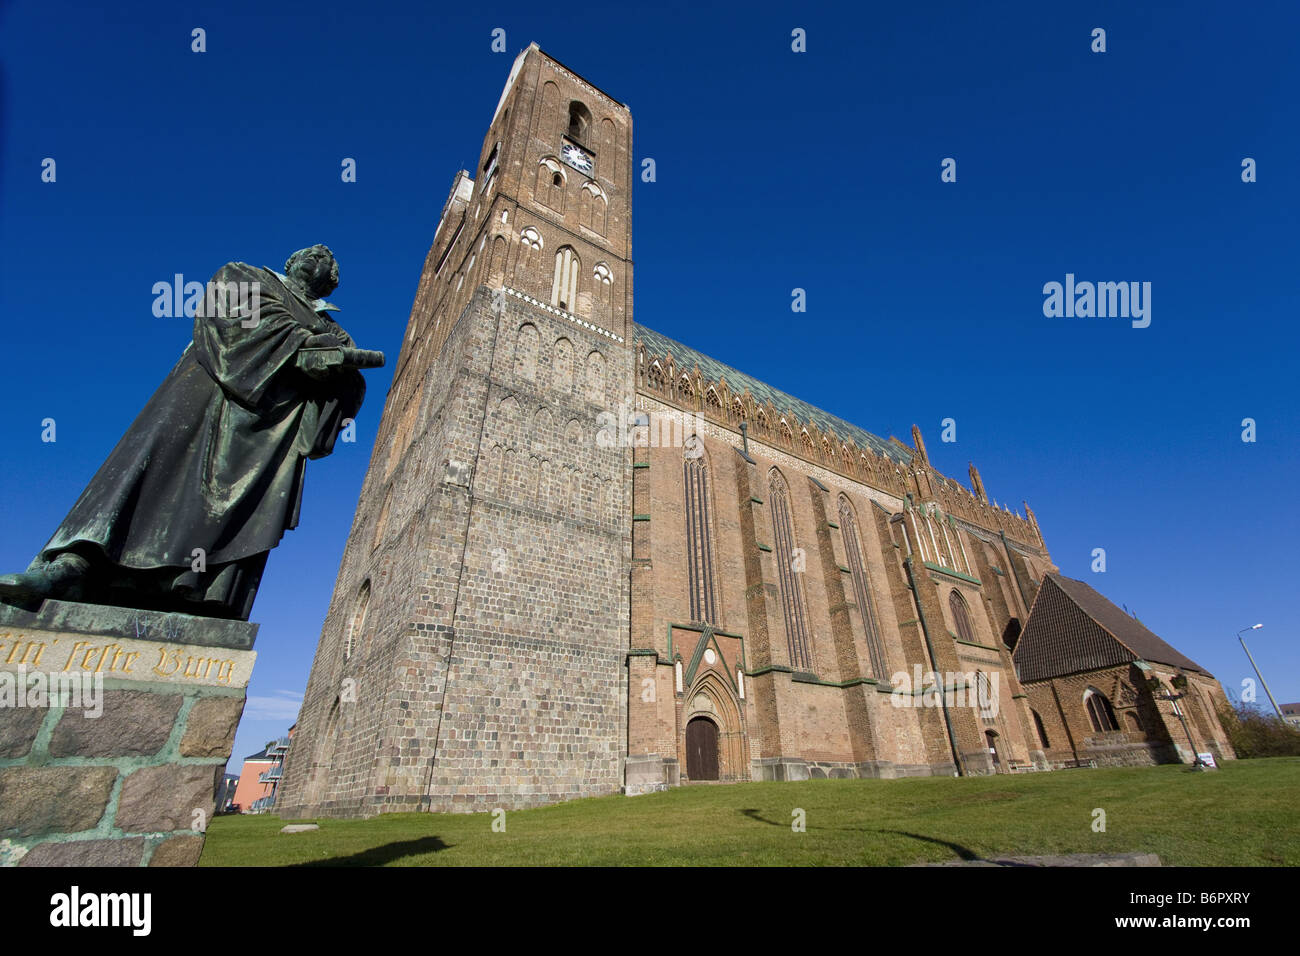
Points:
(701, 749)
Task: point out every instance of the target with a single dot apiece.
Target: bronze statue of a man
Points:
(208, 478)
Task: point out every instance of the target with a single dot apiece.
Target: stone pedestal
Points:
(115, 728)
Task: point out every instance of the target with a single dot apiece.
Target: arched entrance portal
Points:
(702, 749)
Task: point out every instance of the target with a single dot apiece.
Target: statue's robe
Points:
(210, 475)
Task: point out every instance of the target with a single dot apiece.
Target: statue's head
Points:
(315, 269)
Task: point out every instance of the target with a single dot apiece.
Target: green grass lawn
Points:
(1242, 815)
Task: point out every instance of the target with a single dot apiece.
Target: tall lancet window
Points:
(862, 589)
(564, 290)
(699, 533)
(790, 564)
(961, 618)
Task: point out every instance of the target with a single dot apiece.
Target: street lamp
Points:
(1256, 627)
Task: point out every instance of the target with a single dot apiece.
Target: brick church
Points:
(589, 559)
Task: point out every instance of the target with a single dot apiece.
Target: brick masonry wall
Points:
(1150, 732)
(495, 676)
(841, 719)
(127, 774)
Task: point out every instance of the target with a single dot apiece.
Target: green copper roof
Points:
(686, 358)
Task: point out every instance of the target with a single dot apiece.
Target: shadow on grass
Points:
(753, 815)
(964, 853)
(381, 855)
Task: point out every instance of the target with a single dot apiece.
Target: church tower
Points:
(474, 653)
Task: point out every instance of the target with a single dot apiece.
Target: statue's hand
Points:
(326, 340)
(320, 363)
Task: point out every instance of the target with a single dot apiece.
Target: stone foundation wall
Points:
(115, 728)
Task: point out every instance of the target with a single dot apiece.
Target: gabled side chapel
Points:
(542, 599)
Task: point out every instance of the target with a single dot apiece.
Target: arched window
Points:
(579, 121)
(595, 205)
(357, 626)
(1134, 722)
(527, 347)
(564, 289)
(961, 617)
(1100, 712)
(699, 534)
(1042, 731)
(490, 167)
(550, 183)
(986, 698)
(787, 560)
(862, 589)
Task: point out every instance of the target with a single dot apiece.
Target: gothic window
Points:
(656, 376)
(526, 348)
(985, 699)
(1134, 722)
(806, 441)
(382, 524)
(1011, 634)
(738, 410)
(713, 402)
(496, 260)
(490, 169)
(862, 589)
(357, 626)
(847, 457)
(562, 367)
(1100, 712)
(564, 288)
(595, 205)
(785, 548)
(961, 617)
(699, 540)
(1042, 731)
(595, 378)
(579, 121)
(604, 280)
(787, 435)
(684, 390)
(550, 184)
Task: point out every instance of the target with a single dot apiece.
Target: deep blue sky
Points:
(776, 170)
